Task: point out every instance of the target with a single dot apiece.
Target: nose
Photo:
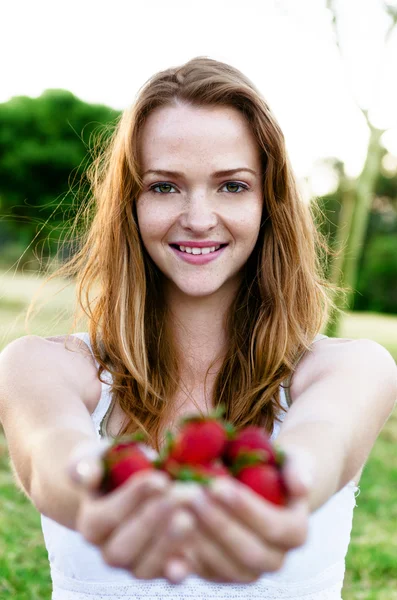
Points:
(198, 213)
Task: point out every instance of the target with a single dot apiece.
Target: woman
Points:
(209, 290)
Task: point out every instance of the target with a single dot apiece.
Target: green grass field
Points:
(371, 572)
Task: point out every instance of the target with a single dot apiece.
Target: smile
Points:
(198, 256)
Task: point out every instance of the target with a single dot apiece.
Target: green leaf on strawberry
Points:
(281, 456)
(230, 430)
(248, 459)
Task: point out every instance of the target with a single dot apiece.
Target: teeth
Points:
(198, 250)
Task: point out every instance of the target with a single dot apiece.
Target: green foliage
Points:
(375, 289)
(377, 282)
(45, 147)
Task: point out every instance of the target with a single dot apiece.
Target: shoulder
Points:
(74, 350)
(66, 356)
(73, 344)
(356, 357)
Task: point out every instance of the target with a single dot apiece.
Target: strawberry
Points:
(265, 480)
(249, 439)
(126, 441)
(121, 446)
(200, 441)
(214, 469)
(122, 463)
(202, 473)
(169, 465)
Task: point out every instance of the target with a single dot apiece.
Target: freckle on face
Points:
(197, 142)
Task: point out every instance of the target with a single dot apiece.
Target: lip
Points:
(198, 259)
(207, 244)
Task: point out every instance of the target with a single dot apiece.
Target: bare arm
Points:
(44, 393)
(46, 396)
(341, 404)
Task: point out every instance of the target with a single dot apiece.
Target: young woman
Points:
(208, 289)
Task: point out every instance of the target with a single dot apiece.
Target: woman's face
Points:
(202, 187)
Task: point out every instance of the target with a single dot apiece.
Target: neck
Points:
(198, 328)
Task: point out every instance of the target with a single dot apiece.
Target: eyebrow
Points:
(216, 174)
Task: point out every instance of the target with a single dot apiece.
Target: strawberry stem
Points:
(138, 436)
(218, 411)
(248, 459)
(186, 474)
(280, 456)
(230, 430)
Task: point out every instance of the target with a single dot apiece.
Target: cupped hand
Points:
(242, 536)
(132, 525)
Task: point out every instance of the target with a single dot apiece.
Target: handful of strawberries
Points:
(204, 448)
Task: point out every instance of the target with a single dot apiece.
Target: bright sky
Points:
(103, 52)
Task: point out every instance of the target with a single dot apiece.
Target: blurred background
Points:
(327, 69)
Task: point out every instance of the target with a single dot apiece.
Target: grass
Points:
(371, 560)
(24, 570)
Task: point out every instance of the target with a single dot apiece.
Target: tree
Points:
(357, 197)
(45, 147)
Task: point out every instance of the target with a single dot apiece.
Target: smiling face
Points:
(201, 185)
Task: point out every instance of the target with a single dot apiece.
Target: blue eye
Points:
(233, 185)
(165, 188)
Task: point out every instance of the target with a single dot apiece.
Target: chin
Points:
(195, 291)
(198, 293)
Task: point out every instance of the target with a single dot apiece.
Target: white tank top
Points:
(314, 571)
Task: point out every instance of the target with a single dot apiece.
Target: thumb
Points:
(298, 471)
(84, 466)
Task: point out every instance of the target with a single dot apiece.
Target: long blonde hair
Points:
(284, 299)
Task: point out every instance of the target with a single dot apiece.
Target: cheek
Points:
(247, 224)
(153, 221)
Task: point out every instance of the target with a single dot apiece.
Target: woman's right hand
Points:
(132, 524)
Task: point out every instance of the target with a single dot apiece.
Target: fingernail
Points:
(184, 492)
(181, 524)
(222, 490)
(83, 471)
(157, 482)
(177, 571)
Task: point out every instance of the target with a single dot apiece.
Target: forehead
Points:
(190, 133)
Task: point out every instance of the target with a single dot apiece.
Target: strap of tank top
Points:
(101, 412)
(287, 382)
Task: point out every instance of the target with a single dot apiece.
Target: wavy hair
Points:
(283, 301)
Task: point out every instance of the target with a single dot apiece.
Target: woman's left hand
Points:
(239, 539)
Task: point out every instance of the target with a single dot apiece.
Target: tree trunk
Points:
(345, 220)
(345, 271)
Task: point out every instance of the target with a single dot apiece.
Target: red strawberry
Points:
(121, 446)
(248, 439)
(121, 465)
(200, 441)
(266, 481)
(126, 442)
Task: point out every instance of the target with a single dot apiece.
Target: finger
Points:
(127, 543)
(209, 561)
(199, 568)
(298, 470)
(155, 559)
(283, 528)
(99, 518)
(235, 540)
(85, 463)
